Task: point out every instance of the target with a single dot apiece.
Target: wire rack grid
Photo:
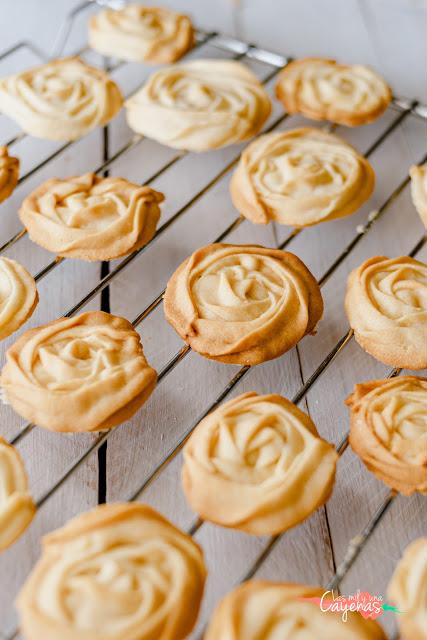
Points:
(197, 211)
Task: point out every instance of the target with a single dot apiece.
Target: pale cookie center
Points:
(400, 293)
(86, 211)
(139, 23)
(112, 589)
(303, 172)
(187, 92)
(399, 419)
(142, 23)
(251, 448)
(63, 364)
(237, 289)
(340, 89)
(65, 93)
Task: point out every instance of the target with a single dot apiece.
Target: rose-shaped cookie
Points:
(408, 591)
(242, 304)
(142, 34)
(85, 373)
(300, 177)
(16, 506)
(18, 296)
(322, 89)
(60, 100)
(386, 304)
(261, 610)
(9, 173)
(91, 218)
(200, 105)
(120, 571)
(257, 464)
(389, 430)
(419, 190)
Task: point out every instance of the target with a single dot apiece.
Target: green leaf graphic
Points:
(389, 607)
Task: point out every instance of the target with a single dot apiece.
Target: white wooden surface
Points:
(389, 34)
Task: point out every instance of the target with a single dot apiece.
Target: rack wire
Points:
(239, 50)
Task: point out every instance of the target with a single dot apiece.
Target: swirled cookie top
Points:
(227, 300)
(389, 430)
(200, 105)
(77, 374)
(60, 100)
(300, 177)
(90, 217)
(121, 571)
(249, 465)
(386, 303)
(149, 34)
(322, 89)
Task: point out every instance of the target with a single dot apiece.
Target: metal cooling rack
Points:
(403, 108)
